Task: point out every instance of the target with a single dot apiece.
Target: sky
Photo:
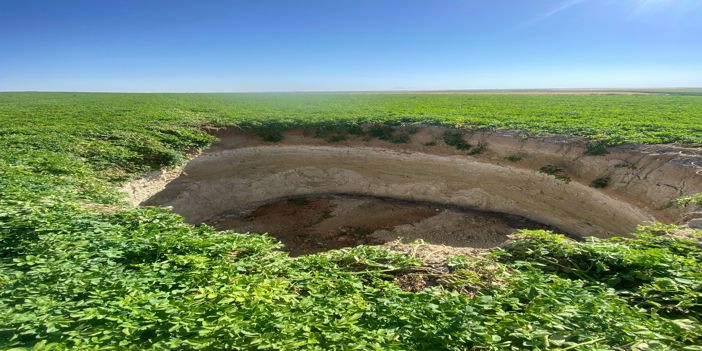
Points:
(347, 45)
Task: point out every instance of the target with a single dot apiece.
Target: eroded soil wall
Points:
(241, 173)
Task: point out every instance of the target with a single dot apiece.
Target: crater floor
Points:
(319, 223)
(316, 195)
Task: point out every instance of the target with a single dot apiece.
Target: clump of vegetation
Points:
(694, 200)
(333, 131)
(271, 134)
(513, 158)
(411, 129)
(478, 149)
(555, 171)
(454, 138)
(601, 182)
(625, 164)
(395, 135)
(335, 138)
(400, 138)
(381, 131)
(642, 269)
(596, 148)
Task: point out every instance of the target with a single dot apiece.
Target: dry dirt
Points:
(243, 176)
(320, 223)
(142, 189)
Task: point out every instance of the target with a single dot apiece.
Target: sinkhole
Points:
(314, 223)
(314, 195)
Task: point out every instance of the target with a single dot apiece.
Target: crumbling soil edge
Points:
(654, 163)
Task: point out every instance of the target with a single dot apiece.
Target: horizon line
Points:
(587, 89)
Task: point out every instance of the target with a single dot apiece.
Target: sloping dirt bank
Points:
(241, 173)
(319, 223)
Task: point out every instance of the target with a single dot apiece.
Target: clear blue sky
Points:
(266, 45)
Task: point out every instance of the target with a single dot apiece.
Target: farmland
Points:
(81, 268)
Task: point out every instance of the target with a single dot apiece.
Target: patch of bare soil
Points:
(241, 173)
(319, 223)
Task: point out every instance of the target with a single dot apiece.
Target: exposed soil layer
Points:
(242, 175)
(320, 223)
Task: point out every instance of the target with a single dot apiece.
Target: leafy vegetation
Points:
(513, 158)
(625, 164)
(601, 182)
(555, 171)
(596, 148)
(610, 119)
(455, 138)
(80, 269)
(387, 132)
(695, 200)
(643, 269)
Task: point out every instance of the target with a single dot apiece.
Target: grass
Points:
(80, 269)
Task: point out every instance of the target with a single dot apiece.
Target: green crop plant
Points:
(82, 269)
(596, 148)
(694, 200)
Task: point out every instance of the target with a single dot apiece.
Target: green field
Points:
(616, 118)
(81, 269)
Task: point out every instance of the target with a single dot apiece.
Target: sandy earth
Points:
(657, 173)
(241, 176)
(140, 190)
(241, 179)
(312, 224)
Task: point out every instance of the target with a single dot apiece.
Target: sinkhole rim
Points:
(317, 167)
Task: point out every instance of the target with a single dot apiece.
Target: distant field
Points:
(613, 118)
(125, 134)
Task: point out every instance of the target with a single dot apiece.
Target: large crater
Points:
(303, 190)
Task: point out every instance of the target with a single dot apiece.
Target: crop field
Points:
(80, 268)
